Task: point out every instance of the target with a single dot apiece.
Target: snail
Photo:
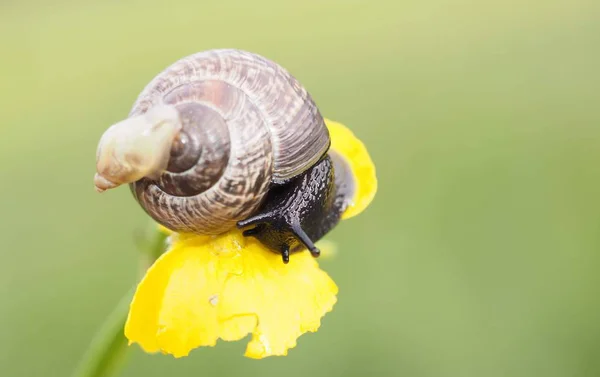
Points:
(227, 138)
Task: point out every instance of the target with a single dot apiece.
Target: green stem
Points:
(108, 349)
(106, 354)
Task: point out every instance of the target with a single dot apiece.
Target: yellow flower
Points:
(355, 153)
(206, 288)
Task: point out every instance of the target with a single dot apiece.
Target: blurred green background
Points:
(478, 257)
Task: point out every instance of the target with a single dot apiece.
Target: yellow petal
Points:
(344, 142)
(225, 287)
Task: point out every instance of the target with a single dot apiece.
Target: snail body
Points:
(301, 212)
(224, 138)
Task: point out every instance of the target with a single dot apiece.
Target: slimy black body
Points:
(298, 213)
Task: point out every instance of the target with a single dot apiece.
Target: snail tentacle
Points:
(305, 239)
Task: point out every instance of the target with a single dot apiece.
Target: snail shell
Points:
(246, 124)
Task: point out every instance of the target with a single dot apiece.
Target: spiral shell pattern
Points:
(247, 123)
